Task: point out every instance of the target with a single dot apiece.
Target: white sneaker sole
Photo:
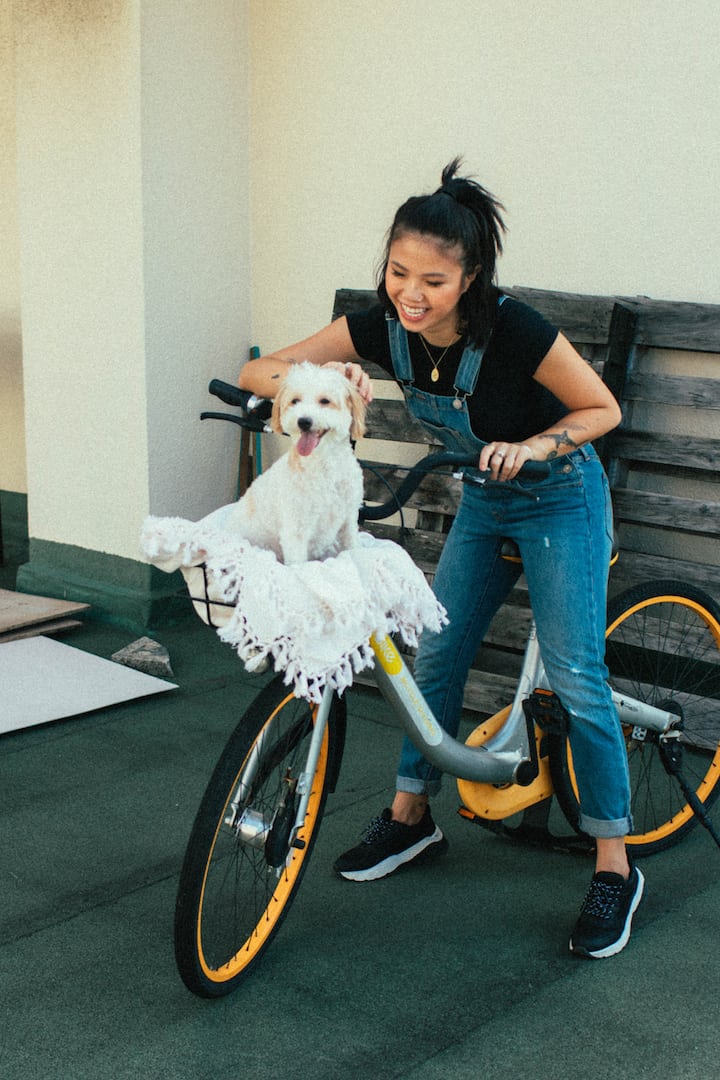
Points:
(387, 866)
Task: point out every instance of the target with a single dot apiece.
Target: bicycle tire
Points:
(235, 891)
(663, 647)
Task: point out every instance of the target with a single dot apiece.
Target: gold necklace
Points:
(435, 374)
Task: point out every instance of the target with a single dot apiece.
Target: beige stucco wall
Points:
(80, 226)
(133, 232)
(12, 425)
(595, 123)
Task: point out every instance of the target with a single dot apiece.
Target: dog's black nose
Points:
(304, 423)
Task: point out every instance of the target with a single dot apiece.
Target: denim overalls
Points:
(564, 533)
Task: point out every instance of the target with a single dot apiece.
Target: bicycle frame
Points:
(499, 760)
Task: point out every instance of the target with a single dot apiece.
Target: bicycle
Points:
(260, 815)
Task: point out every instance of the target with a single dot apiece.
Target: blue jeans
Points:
(565, 538)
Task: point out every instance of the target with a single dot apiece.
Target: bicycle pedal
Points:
(547, 711)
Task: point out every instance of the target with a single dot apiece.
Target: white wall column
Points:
(134, 249)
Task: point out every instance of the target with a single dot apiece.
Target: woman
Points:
(487, 374)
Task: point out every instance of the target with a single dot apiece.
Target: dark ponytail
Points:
(461, 214)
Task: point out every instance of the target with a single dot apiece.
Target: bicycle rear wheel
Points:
(241, 870)
(662, 647)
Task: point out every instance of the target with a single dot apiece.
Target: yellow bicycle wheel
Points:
(242, 867)
(663, 647)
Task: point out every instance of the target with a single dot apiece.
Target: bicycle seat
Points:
(511, 552)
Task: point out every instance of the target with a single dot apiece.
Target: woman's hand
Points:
(356, 375)
(504, 459)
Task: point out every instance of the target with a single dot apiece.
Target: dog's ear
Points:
(357, 413)
(278, 406)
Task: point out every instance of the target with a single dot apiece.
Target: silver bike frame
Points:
(495, 762)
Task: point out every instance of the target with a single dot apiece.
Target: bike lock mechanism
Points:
(671, 755)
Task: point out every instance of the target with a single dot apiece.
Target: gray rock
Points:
(146, 655)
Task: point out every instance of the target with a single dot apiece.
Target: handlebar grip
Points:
(531, 470)
(231, 395)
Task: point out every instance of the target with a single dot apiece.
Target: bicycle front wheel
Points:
(663, 647)
(242, 865)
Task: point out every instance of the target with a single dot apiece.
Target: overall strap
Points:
(399, 350)
(469, 368)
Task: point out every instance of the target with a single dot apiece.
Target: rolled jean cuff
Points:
(605, 830)
(412, 786)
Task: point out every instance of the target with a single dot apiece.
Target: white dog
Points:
(305, 506)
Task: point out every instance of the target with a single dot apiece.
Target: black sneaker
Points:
(388, 844)
(605, 921)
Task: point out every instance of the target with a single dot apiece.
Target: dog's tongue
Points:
(307, 442)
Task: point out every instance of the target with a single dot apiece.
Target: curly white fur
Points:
(305, 506)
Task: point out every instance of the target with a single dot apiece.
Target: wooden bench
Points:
(662, 361)
(664, 460)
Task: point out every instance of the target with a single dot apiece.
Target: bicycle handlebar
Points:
(535, 470)
(256, 411)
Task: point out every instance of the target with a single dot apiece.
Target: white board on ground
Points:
(43, 680)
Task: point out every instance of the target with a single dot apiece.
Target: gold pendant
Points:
(435, 374)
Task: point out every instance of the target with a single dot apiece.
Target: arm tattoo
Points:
(562, 440)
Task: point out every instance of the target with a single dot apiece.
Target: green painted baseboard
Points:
(121, 591)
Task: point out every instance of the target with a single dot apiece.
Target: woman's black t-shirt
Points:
(508, 404)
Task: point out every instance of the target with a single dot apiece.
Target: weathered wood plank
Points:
(438, 492)
(636, 566)
(681, 390)
(666, 511)
(670, 324)
(581, 317)
(487, 694)
(423, 547)
(391, 421)
(685, 451)
(350, 300)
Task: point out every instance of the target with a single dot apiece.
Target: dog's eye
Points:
(324, 400)
(296, 401)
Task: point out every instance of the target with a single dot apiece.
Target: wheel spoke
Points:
(664, 648)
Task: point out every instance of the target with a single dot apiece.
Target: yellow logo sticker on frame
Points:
(387, 654)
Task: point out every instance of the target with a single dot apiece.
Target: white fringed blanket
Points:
(311, 620)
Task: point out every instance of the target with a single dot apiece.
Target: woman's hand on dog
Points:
(356, 375)
(262, 376)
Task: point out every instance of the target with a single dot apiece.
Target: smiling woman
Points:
(486, 374)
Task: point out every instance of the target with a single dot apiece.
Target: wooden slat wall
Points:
(616, 335)
(664, 461)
